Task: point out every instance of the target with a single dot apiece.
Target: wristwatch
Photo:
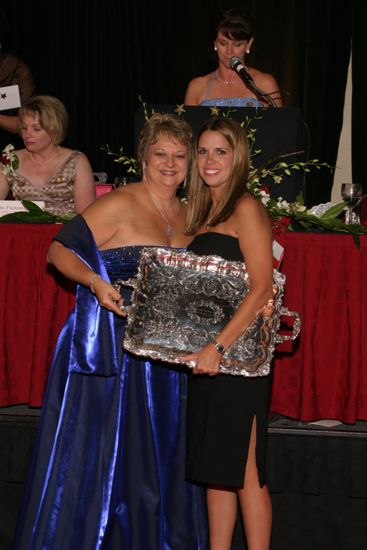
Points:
(219, 347)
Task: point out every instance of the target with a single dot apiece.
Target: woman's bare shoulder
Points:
(117, 203)
(249, 209)
(201, 80)
(248, 200)
(196, 89)
(265, 81)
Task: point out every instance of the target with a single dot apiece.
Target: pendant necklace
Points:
(160, 211)
(217, 77)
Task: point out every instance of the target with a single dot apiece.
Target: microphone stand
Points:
(251, 84)
(237, 65)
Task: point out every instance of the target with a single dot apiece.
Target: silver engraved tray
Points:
(181, 301)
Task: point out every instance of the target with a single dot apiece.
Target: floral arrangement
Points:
(284, 216)
(9, 160)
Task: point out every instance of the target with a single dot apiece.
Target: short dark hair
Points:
(235, 26)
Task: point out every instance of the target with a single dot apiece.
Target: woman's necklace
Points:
(44, 161)
(217, 77)
(163, 215)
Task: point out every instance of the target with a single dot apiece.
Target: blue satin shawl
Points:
(89, 353)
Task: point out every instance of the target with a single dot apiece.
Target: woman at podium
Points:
(234, 83)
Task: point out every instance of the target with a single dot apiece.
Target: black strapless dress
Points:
(221, 409)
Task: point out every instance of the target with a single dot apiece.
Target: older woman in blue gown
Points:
(108, 467)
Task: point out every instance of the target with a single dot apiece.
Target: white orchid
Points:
(9, 160)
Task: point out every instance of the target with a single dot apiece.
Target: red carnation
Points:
(281, 225)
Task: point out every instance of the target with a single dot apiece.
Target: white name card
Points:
(9, 97)
(278, 252)
(9, 207)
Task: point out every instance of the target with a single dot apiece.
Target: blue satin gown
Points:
(108, 466)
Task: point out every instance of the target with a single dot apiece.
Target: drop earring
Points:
(215, 48)
(247, 51)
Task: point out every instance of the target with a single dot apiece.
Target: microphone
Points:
(237, 65)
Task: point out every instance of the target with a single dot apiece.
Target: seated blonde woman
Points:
(48, 172)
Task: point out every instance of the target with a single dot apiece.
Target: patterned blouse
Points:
(57, 192)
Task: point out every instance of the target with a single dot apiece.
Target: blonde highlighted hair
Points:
(166, 124)
(53, 117)
(199, 200)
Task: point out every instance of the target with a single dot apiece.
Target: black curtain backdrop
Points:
(98, 57)
(359, 99)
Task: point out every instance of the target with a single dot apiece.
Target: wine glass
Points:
(352, 194)
(119, 181)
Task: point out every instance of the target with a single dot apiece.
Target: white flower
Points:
(9, 160)
(8, 149)
(264, 197)
(282, 204)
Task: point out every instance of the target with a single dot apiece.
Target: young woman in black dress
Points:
(227, 414)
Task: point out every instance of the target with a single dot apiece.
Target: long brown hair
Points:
(199, 200)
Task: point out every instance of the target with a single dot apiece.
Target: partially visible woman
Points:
(233, 37)
(109, 464)
(13, 71)
(48, 172)
(227, 415)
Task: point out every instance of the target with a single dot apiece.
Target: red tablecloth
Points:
(34, 303)
(322, 375)
(326, 375)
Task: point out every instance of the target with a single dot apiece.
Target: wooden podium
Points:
(278, 131)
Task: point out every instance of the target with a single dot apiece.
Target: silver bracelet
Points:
(91, 281)
(218, 346)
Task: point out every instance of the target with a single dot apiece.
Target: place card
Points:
(9, 97)
(9, 207)
(278, 252)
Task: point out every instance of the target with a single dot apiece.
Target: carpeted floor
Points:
(317, 477)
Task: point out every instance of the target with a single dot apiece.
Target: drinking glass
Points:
(352, 194)
(120, 180)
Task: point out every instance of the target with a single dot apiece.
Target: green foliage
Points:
(130, 163)
(34, 214)
(275, 169)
